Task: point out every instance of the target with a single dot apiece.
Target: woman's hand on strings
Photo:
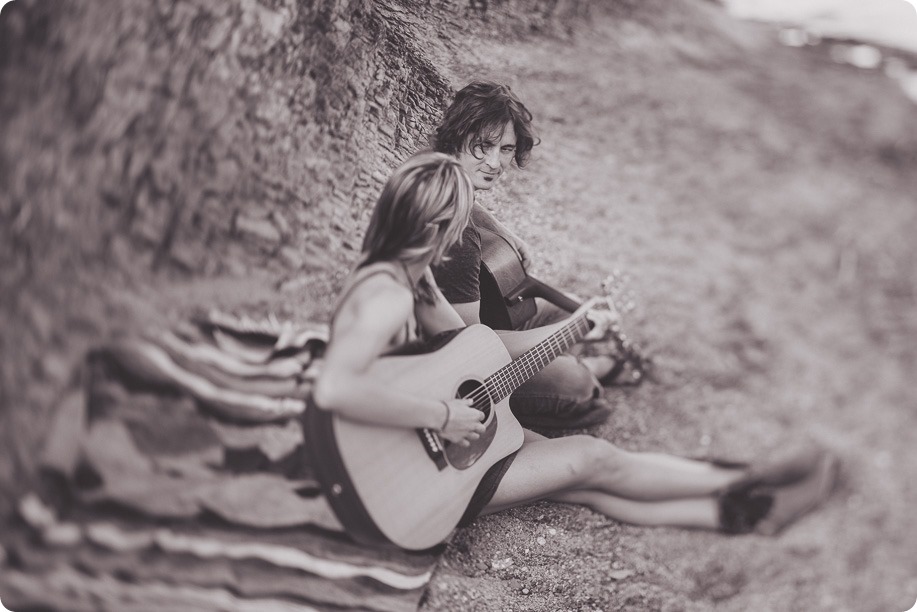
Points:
(463, 425)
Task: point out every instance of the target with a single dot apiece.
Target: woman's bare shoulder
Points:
(378, 302)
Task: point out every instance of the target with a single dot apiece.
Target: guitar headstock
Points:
(621, 298)
(599, 303)
(616, 287)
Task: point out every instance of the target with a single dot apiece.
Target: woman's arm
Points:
(439, 316)
(365, 324)
(373, 314)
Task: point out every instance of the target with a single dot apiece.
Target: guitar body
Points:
(388, 484)
(501, 273)
(507, 292)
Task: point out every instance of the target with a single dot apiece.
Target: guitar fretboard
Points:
(507, 379)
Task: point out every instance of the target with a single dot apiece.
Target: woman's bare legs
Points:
(696, 512)
(642, 488)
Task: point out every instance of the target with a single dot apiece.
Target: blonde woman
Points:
(391, 299)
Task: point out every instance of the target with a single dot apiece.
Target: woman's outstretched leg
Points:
(545, 467)
(561, 470)
(696, 513)
(654, 489)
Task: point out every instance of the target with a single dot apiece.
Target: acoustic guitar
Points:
(508, 295)
(408, 487)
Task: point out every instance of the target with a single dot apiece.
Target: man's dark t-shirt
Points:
(459, 276)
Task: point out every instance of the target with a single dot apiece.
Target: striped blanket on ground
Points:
(177, 479)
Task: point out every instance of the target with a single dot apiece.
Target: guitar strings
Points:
(503, 375)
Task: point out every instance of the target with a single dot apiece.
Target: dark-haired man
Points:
(488, 129)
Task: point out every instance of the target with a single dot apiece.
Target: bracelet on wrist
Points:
(448, 415)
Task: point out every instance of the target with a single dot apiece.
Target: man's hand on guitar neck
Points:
(603, 316)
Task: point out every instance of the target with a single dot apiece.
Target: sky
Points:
(889, 22)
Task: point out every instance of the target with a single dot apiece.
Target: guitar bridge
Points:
(434, 447)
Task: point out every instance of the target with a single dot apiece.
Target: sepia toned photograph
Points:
(458, 305)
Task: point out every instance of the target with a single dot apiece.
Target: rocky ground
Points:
(761, 201)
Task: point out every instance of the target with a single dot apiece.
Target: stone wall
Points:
(165, 130)
(162, 131)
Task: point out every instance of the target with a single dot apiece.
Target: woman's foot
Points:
(771, 497)
(792, 501)
(782, 467)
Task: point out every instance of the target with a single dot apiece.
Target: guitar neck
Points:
(537, 288)
(532, 287)
(507, 379)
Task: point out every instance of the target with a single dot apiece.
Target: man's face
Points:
(486, 156)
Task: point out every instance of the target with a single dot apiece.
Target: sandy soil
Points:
(762, 205)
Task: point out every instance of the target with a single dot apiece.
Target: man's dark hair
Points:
(480, 109)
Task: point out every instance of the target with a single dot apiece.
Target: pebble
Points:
(42, 321)
(552, 531)
(36, 513)
(541, 540)
(501, 564)
(258, 228)
(62, 534)
(55, 368)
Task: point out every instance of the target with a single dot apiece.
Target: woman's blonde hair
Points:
(423, 209)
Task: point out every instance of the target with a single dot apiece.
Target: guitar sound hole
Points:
(463, 457)
(474, 390)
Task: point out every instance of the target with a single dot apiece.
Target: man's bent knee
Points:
(562, 393)
(572, 379)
